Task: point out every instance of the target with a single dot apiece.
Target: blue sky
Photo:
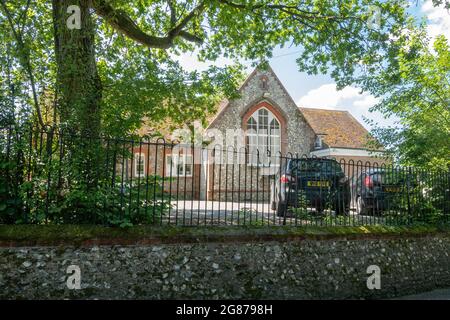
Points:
(320, 91)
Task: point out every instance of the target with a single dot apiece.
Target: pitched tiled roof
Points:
(340, 128)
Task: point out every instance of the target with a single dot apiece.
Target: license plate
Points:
(392, 189)
(318, 183)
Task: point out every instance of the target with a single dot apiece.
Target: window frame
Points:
(172, 167)
(137, 157)
(318, 143)
(254, 137)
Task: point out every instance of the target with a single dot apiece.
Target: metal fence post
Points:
(408, 181)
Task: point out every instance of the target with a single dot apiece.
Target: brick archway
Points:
(277, 114)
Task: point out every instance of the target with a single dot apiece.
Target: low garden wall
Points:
(226, 263)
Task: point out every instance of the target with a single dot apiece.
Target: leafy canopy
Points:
(416, 89)
(136, 42)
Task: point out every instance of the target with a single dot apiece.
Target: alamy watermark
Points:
(374, 280)
(73, 281)
(374, 19)
(74, 20)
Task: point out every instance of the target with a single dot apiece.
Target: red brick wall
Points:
(155, 164)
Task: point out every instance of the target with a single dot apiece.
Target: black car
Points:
(317, 181)
(376, 190)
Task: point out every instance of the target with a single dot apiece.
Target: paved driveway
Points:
(194, 212)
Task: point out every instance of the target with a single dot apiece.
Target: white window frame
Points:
(269, 139)
(318, 143)
(137, 157)
(171, 167)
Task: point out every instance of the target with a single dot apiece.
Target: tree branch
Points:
(173, 13)
(121, 22)
(294, 11)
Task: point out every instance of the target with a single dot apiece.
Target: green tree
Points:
(118, 67)
(417, 90)
(88, 62)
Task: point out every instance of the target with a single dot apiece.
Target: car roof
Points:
(312, 159)
(380, 170)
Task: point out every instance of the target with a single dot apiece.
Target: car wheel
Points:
(341, 208)
(281, 209)
(320, 206)
(360, 206)
(273, 197)
(273, 206)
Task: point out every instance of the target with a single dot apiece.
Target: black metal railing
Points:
(53, 177)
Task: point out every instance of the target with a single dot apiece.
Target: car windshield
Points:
(308, 165)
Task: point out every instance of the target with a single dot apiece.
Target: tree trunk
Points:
(79, 86)
(79, 89)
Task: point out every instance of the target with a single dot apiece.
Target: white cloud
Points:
(438, 19)
(350, 99)
(327, 96)
(366, 102)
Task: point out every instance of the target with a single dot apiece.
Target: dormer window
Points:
(318, 142)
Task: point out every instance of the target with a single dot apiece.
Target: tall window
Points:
(263, 137)
(139, 164)
(179, 165)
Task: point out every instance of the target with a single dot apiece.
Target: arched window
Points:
(263, 137)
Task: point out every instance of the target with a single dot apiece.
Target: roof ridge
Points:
(309, 108)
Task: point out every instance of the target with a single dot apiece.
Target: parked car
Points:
(318, 182)
(376, 190)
